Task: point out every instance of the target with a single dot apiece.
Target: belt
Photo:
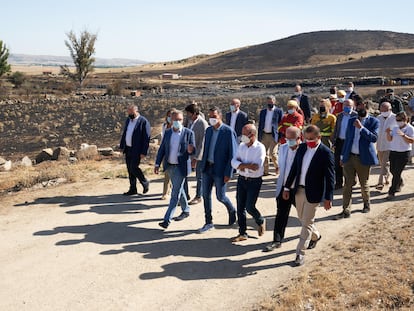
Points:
(301, 186)
(354, 154)
(170, 164)
(249, 178)
(267, 132)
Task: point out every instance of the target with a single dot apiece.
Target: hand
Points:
(242, 167)
(190, 148)
(142, 156)
(401, 133)
(226, 179)
(327, 204)
(253, 166)
(341, 164)
(357, 124)
(193, 163)
(156, 170)
(286, 195)
(388, 130)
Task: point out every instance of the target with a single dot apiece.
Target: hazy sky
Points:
(175, 29)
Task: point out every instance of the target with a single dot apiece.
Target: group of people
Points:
(314, 154)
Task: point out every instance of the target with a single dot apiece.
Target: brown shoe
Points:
(195, 201)
(262, 228)
(239, 238)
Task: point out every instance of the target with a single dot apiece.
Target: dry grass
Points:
(372, 269)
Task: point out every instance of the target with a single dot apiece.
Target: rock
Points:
(2, 161)
(87, 152)
(7, 165)
(72, 159)
(107, 152)
(61, 153)
(45, 155)
(26, 162)
(117, 154)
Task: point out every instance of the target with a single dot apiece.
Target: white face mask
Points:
(298, 93)
(212, 121)
(245, 139)
(386, 114)
(401, 123)
(350, 89)
(341, 100)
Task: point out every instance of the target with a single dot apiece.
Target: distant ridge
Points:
(50, 60)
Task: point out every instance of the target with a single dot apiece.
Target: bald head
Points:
(235, 102)
(250, 131)
(385, 106)
(292, 132)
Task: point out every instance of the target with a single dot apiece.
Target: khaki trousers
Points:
(306, 214)
(271, 151)
(384, 162)
(352, 168)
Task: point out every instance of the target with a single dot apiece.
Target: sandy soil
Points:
(84, 246)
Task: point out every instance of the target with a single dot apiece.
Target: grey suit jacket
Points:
(199, 130)
(337, 129)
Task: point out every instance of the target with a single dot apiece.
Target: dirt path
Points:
(86, 247)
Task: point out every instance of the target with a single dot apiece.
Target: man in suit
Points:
(287, 154)
(220, 146)
(338, 138)
(358, 155)
(350, 91)
(304, 103)
(175, 150)
(134, 143)
(311, 180)
(236, 118)
(269, 119)
(198, 125)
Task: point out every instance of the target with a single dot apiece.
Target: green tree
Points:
(81, 50)
(17, 79)
(4, 56)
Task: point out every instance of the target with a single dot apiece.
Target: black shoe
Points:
(366, 208)
(146, 187)
(182, 216)
(338, 186)
(232, 218)
(163, 224)
(131, 192)
(312, 243)
(272, 246)
(342, 215)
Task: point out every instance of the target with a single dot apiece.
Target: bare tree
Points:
(4, 56)
(81, 50)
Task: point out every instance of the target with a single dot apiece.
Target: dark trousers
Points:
(398, 161)
(339, 175)
(282, 216)
(134, 172)
(247, 192)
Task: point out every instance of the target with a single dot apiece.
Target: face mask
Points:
(291, 142)
(362, 113)
(168, 119)
(232, 108)
(322, 109)
(131, 116)
(291, 111)
(298, 93)
(212, 121)
(270, 106)
(312, 143)
(386, 114)
(347, 109)
(341, 100)
(350, 89)
(177, 125)
(401, 124)
(245, 139)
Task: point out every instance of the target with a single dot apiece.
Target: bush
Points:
(17, 79)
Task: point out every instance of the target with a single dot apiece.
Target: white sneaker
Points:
(300, 260)
(205, 228)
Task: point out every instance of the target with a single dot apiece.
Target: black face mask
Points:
(270, 106)
(131, 116)
(322, 109)
(362, 113)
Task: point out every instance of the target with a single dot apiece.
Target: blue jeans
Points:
(247, 192)
(177, 193)
(209, 179)
(199, 178)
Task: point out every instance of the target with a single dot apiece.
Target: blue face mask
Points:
(232, 108)
(168, 119)
(291, 111)
(291, 142)
(177, 125)
(347, 109)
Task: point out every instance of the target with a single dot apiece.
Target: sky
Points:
(157, 31)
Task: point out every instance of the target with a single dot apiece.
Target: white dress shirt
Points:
(398, 143)
(130, 131)
(174, 146)
(268, 120)
(357, 136)
(233, 119)
(256, 154)
(307, 158)
(288, 164)
(382, 142)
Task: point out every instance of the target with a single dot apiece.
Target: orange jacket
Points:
(295, 119)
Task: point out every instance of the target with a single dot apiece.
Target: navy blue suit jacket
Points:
(187, 138)
(277, 117)
(241, 121)
(225, 150)
(140, 137)
(320, 177)
(368, 136)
